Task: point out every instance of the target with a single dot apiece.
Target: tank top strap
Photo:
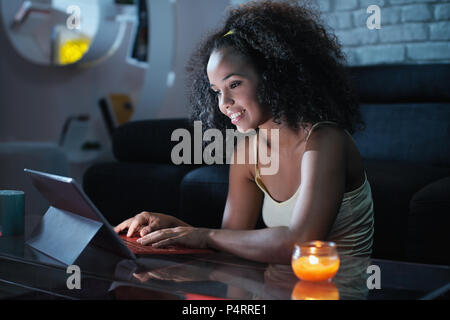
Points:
(256, 155)
(316, 125)
(306, 139)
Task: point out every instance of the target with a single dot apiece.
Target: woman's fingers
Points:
(153, 225)
(156, 236)
(145, 230)
(151, 237)
(142, 277)
(136, 224)
(143, 223)
(123, 225)
(165, 243)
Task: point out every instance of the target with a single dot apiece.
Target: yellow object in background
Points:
(121, 106)
(73, 50)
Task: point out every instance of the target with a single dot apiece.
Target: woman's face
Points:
(235, 81)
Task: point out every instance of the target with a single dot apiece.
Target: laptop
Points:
(72, 221)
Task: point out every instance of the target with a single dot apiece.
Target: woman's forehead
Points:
(224, 61)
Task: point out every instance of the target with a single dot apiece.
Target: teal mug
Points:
(12, 212)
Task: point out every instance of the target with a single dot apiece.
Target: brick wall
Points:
(411, 31)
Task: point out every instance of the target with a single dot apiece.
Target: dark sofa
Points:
(406, 149)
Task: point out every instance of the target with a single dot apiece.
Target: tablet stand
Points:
(63, 235)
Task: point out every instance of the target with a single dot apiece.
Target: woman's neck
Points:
(288, 138)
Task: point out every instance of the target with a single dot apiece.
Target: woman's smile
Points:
(236, 116)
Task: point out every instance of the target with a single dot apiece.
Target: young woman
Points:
(273, 66)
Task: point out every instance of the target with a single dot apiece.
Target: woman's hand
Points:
(187, 236)
(146, 222)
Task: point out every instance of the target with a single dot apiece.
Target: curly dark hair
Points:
(300, 64)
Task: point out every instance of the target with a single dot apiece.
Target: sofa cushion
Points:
(429, 223)
(204, 194)
(406, 132)
(393, 184)
(401, 83)
(122, 190)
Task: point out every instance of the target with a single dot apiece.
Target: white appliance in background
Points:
(37, 28)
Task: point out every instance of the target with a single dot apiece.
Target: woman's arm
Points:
(269, 245)
(324, 171)
(244, 198)
(323, 174)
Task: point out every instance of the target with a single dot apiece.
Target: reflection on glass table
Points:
(205, 276)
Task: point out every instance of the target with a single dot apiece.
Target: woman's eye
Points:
(232, 86)
(235, 84)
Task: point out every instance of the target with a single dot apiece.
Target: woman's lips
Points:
(237, 116)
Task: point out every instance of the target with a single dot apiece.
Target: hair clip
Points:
(228, 33)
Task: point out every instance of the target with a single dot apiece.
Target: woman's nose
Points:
(226, 102)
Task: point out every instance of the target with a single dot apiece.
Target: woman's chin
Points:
(245, 129)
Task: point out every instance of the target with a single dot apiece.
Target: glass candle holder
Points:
(315, 260)
(307, 290)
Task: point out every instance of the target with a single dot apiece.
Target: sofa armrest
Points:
(429, 223)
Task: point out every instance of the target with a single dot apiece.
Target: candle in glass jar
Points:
(315, 261)
(307, 290)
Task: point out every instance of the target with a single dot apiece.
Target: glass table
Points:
(28, 274)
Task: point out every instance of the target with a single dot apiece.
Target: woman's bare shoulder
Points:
(327, 135)
(334, 142)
